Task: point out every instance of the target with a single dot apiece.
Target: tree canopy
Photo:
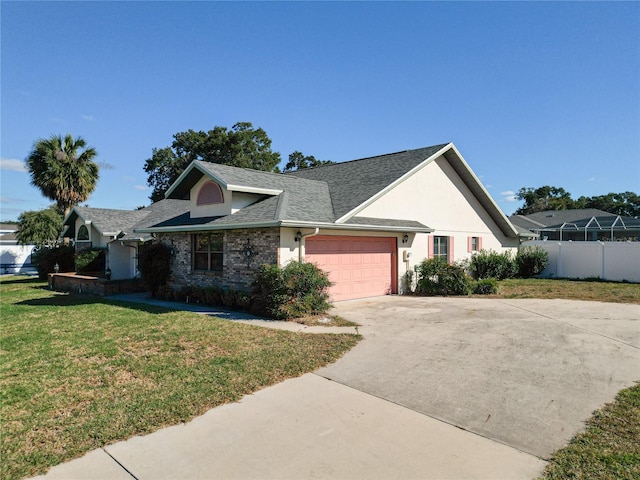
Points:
(626, 204)
(40, 228)
(62, 171)
(298, 160)
(241, 146)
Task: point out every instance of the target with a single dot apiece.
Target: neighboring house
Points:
(14, 258)
(367, 222)
(587, 224)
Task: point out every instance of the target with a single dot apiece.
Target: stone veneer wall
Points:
(244, 251)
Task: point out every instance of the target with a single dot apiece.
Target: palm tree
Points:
(61, 172)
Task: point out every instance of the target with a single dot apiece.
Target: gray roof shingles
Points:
(353, 183)
(322, 194)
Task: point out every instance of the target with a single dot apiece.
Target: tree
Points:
(626, 204)
(544, 198)
(297, 161)
(241, 146)
(40, 228)
(62, 172)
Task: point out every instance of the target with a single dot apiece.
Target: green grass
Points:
(615, 292)
(608, 449)
(80, 372)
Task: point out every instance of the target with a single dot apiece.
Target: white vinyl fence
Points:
(605, 260)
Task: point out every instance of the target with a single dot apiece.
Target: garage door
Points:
(358, 266)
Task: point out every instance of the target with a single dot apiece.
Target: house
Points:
(114, 231)
(14, 258)
(367, 222)
(586, 224)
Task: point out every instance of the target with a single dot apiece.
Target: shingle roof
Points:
(113, 222)
(353, 183)
(302, 199)
(547, 218)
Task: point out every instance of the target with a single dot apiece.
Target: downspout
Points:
(300, 237)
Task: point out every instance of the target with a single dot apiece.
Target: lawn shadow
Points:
(71, 299)
(19, 280)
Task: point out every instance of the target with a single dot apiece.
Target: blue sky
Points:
(532, 94)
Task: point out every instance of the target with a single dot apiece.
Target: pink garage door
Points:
(358, 266)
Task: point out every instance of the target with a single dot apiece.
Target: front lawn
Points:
(80, 372)
(608, 449)
(615, 292)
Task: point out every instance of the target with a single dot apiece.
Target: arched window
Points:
(83, 233)
(209, 194)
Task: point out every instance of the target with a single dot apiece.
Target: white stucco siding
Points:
(199, 211)
(437, 197)
(122, 260)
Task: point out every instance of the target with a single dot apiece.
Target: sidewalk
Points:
(306, 427)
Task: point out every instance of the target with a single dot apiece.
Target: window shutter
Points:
(479, 243)
(430, 246)
(450, 250)
(469, 244)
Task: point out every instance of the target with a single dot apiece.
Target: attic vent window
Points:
(210, 193)
(83, 233)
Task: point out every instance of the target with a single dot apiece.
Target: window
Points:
(474, 244)
(83, 233)
(207, 252)
(441, 248)
(210, 193)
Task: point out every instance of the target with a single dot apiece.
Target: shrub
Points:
(486, 286)
(91, 260)
(154, 263)
(45, 259)
(297, 290)
(490, 264)
(531, 261)
(437, 277)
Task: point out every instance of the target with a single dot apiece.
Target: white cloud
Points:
(12, 164)
(89, 118)
(141, 187)
(127, 178)
(509, 196)
(592, 179)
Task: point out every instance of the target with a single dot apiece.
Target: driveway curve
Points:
(526, 373)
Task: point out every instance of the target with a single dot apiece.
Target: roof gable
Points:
(355, 182)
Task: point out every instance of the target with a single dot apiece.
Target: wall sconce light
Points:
(298, 236)
(405, 238)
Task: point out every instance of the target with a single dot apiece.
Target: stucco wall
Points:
(437, 197)
(122, 260)
(244, 250)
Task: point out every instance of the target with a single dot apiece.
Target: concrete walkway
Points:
(307, 427)
(406, 401)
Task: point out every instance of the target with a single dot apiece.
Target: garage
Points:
(358, 266)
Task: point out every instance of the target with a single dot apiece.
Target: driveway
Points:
(439, 388)
(526, 373)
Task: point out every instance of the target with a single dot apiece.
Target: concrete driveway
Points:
(526, 373)
(455, 388)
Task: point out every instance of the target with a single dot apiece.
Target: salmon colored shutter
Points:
(479, 243)
(430, 246)
(469, 244)
(450, 250)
